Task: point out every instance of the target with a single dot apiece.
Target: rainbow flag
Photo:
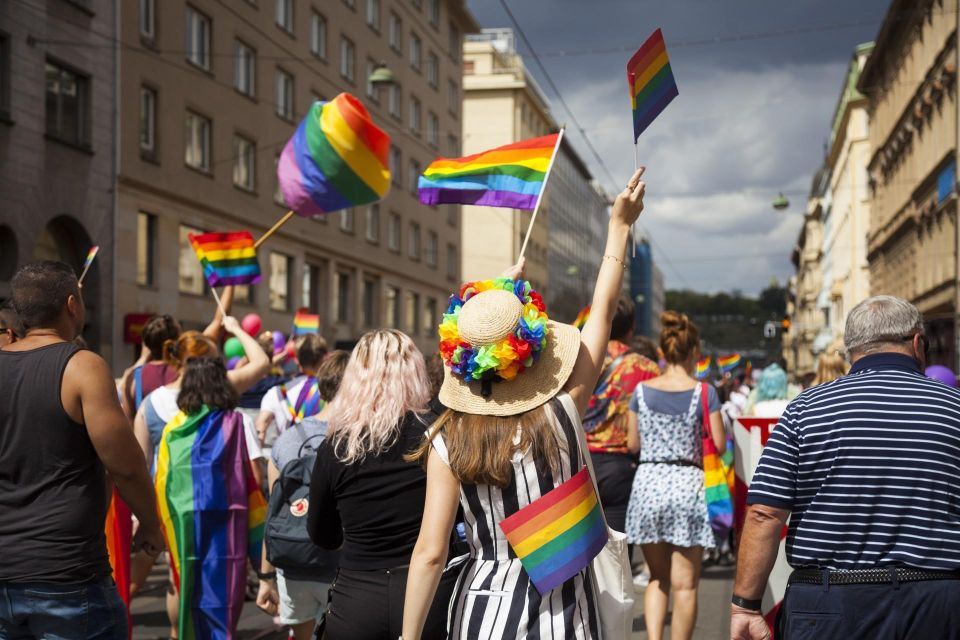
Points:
(582, 317)
(652, 85)
(509, 176)
(118, 529)
(729, 363)
(556, 536)
(213, 516)
(90, 256)
(336, 159)
(703, 368)
(308, 401)
(305, 322)
(227, 258)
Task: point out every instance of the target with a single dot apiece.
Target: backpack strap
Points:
(137, 387)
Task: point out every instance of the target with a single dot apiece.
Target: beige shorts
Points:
(301, 600)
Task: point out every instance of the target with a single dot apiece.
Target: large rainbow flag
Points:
(558, 535)
(227, 258)
(652, 85)
(213, 517)
(336, 159)
(509, 176)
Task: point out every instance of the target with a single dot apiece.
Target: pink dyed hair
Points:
(385, 379)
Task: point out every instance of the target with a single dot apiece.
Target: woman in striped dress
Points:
(516, 385)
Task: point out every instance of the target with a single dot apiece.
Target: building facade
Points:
(807, 321)
(646, 290)
(910, 84)
(210, 96)
(57, 146)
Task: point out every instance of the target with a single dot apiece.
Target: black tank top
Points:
(53, 494)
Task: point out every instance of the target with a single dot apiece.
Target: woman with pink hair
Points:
(365, 499)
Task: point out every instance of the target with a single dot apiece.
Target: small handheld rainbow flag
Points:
(703, 368)
(729, 363)
(336, 159)
(88, 261)
(305, 322)
(582, 317)
(652, 85)
(227, 258)
(558, 535)
(510, 176)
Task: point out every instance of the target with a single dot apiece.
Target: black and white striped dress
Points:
(494, 597)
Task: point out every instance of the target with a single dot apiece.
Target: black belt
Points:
(676, 463)
(886, 575)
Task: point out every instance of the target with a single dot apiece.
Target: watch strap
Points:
(744, 603)
(267, 575)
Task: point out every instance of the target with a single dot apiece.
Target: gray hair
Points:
(878, 321)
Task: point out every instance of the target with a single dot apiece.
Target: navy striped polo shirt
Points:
(869, 466)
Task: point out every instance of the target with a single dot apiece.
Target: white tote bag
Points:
(612, 575)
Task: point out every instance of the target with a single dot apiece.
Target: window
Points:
(415, 114)
(452, 216)
(373, 223)
(396, 32)
(433, 129)
(393, 233)
(430, 318)
(190, 276)
(148, 121)
(368, 306)
(318, 35)
(347, 59)
(244, 69)
(433, 70)
(312, 286)
(67, 105)
(281, 273)
(343, 297)
(412, 312)
(284, 15)
(148, 19)
(198, 38)
(430, 252)
(454, 43)
(393, 101)
(284, 95)
(451, 262)
(277, 193)
(346, 220)
(197, 146)
(243, 293)
(396, 170)
(413, 241)
(453, 97)
(433, 12)
(350, 3)
(146, 248)
(372, 92)
(414, 177)
(373, 14)
(391, 307)
(453, 145)
(244, 163)
(415, 51)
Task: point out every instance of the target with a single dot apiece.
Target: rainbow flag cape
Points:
(227, 258)
(305, 322)
(558, 535)
(308, 401)
(729, 363)
(118, 529)
(581, 320)
(703, 368)
(213, 517)
(652, 85)
(90, 256)
(336, 159)
(509, 176)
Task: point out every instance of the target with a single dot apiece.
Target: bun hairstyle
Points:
(190, 344)
(679, 338)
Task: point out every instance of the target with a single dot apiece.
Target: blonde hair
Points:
(385, 379)
(679, 338)
(830, 366)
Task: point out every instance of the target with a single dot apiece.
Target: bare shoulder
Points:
(84, 369)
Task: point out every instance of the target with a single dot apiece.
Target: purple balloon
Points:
(232, 363)
(942, 373)
(279, 341)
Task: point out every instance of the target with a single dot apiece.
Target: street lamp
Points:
(381, 75)
(780, 202)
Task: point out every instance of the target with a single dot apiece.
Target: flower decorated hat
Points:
(503, 355)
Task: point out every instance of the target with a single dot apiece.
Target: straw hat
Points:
(487, 318)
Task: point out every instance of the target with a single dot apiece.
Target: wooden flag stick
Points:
(536, 207)
(633, 230)
(216, 297)
(272, 230)
(84, 274)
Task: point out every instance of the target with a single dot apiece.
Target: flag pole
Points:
(272, 230)
(216, 297)
(636, 165)
(84, 274)
(536, 207)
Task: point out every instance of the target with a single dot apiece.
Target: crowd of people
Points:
(371, 491)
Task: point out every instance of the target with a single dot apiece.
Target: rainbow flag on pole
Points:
(581, 320)
(227, 258)
(558, 535)
(652, 85)
(336, 159)
(305, 322)
(509, 176)
(729, 363)
(90, 256)
(213, 516)
(703, 368)
(118, 530)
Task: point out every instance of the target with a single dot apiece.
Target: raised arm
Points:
(216, 325)
(596, 333)
(258, 363)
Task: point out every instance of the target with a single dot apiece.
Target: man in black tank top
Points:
(61, 428)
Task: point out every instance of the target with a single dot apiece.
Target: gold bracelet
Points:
(623, 264)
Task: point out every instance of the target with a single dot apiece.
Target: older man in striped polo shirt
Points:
(867, 469)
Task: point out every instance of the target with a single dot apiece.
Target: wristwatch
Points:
(743, 603)
(267, 575)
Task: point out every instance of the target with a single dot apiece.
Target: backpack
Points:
(289, 547)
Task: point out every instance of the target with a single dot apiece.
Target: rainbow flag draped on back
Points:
(558, 535)
(336, 159)
(652, 85)
(703, 368)
(227, 258)
(308, 400)
(213, 517)
(508, 176)
(729, 363)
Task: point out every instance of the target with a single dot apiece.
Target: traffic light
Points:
(785, 325)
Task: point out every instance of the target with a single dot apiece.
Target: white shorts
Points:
(301, 600)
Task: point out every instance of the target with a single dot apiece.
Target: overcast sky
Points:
(759, 82)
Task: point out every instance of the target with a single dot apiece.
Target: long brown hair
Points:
(481, 448)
